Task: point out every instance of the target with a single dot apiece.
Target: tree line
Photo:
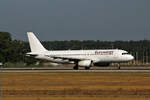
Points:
(15, 50)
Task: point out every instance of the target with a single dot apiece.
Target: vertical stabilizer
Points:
(35, 44)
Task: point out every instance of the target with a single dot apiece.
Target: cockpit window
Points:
(125, 53)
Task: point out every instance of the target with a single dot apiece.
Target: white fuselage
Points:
(96, 56)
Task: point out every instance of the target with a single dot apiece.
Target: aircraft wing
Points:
(72, 58)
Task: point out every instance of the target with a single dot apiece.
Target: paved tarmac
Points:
(74, 71)
(70, 69)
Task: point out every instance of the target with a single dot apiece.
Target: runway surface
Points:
(73, 71)
(70, 70)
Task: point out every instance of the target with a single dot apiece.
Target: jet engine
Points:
(85, 63)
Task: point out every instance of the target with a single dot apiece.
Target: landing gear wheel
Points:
(118, 66)
(76, 67)
(87, 68)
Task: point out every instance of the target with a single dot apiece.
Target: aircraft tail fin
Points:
(35, 44)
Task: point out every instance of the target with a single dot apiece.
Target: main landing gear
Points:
(76, 67)
(87, 68)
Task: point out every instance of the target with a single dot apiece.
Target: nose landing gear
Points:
(118, 66)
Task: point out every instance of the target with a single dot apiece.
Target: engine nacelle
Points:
(85, 63)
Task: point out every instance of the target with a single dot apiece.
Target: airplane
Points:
(82, 58)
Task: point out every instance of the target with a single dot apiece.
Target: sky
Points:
(106, 20)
